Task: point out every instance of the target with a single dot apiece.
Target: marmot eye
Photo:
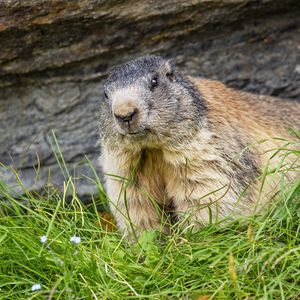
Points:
(154, 82)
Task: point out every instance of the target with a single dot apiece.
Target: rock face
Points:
(55, 54)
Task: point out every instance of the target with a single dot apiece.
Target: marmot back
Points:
(193, 147)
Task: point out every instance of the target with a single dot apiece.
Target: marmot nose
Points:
(126, 118)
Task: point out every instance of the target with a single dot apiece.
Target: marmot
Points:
(190, 147)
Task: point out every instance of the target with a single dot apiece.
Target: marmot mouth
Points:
(137, 134)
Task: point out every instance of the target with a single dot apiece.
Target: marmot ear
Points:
(170, 69)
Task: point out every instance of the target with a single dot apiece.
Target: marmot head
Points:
(148, 101)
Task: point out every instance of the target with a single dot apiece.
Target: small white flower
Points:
(36, 287)
(43, 239)
(59, 261)
(75, 239)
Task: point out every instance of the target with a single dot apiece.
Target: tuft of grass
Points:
(252, 258)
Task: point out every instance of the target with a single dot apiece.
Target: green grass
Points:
(252, 258)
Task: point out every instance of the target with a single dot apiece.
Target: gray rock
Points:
(55, 54)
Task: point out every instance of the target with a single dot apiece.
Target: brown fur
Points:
(198, 172)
